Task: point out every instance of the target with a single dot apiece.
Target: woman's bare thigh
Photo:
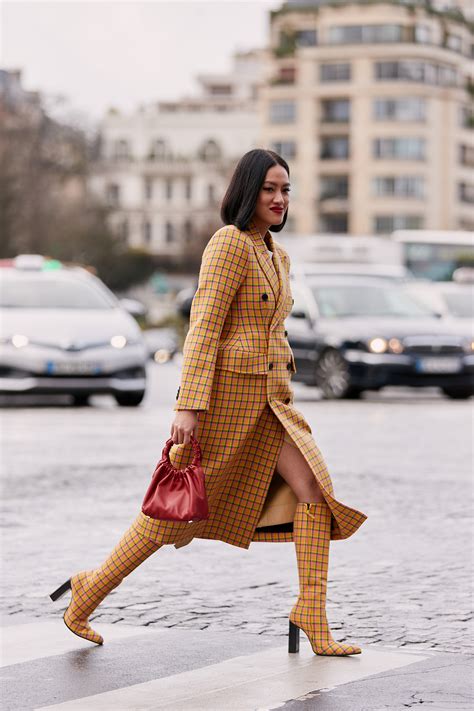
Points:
(295, 470)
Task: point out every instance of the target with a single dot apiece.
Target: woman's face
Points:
(273, 197)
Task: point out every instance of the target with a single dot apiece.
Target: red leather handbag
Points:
(177, 494)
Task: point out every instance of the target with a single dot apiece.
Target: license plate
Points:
(438, 365)
(73, 368)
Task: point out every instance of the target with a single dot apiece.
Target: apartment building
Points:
(372, 105)
(163, 169)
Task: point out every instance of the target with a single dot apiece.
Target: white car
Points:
(63, 331)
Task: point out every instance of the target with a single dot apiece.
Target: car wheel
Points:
(129, 399)
(332, 376)
(80, 400)
(458, 393)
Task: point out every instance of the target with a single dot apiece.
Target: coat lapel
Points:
(273, 272)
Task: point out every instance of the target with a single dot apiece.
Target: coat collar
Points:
(273, 272)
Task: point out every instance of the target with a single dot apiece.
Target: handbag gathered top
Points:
(177, 494)
(197, 454)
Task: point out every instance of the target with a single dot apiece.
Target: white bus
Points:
(435, 254)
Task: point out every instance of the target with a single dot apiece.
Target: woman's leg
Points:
(311, 535)
(295, 470)
(90, 587)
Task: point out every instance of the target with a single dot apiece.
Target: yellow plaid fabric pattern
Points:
(90, 587)
(237, 369)
(311, 530)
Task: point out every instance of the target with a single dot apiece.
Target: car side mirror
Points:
(298, 313)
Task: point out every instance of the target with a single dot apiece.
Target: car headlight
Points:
(118, 342)
(377, 345)
(382, 345)
(395, 346)
(19, 340)
(469, 345)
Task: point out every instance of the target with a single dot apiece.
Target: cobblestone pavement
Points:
(73, 480)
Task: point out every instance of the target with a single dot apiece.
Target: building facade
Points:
(372, 105)
(163, 170)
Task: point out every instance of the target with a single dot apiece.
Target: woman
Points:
(265, 477)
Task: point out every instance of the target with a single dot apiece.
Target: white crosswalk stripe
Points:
(259, 681)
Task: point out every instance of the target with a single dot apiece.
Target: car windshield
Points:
(36, 291)
(460, 303)
(362, 300)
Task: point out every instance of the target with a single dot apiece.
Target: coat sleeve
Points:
(223, 269)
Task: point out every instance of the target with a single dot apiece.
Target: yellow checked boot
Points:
(90, 587)
(311, 534)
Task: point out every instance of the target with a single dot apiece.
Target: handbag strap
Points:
(196, 450)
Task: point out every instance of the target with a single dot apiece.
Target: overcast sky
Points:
(108, 53)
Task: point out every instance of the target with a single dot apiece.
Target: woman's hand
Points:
(184, 425)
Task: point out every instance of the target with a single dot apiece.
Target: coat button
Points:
(270, 366)
(287, 400)
(292, 301)
(265, 297)
(286, 333)
(288, 365)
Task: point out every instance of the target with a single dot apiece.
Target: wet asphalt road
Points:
(73, 480)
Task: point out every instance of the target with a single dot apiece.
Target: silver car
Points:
(63, 331)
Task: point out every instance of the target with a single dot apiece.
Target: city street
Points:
(74, 478)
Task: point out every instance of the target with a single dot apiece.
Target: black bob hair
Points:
(238, 204)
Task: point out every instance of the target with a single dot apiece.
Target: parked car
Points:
(396, 272)
(161, 343)
(449, 299)
(351, 334)
(63, 331)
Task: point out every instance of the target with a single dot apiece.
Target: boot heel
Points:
(61, 590)
(294, 638)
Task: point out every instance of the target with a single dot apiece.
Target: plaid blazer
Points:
(237, 368)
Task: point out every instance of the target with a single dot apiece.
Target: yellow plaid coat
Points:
(237, 367)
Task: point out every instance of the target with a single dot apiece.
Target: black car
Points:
(351, 334)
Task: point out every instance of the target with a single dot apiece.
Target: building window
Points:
(365, 34)
(334, 147)
(466, 156)
(454, 42)
(404, 148)
(123, 230)
(282, 112)
(211, 195)
(148, 188)
(188, 188)
(112, 194)
(335, 72)
(121, 149)
(398, 186)
(157, 150)
(406, 109)
(168, 188)
(466, 192)
(210, 151)
(334, 224)
(423, 34)
(220, 89)
(388, 223)
(417, 71)
(188, 230)
(147, 231)
(286, 149)
(466, 116)
(286, 75)
(306, 38)
(336, 110)
(334, 186)
(169, 232)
